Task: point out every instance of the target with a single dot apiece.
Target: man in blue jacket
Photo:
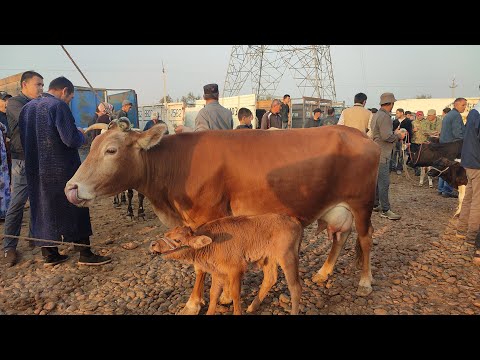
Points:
(50, 141)
(469, 222)
(452, 129)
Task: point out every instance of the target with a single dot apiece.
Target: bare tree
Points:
(169, 99)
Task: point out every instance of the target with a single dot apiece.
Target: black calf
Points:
(427, 154)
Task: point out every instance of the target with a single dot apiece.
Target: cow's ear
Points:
(199, 242)
(152, 136)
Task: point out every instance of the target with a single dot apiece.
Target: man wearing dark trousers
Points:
(385, 137)
(51, 140)
(32, 87)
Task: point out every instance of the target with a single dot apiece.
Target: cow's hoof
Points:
(364, 291)
(251, 308)
(190, 310)
(319, 278)
(224, 299)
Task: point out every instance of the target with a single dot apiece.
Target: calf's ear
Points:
(199, 242)
(151, 137)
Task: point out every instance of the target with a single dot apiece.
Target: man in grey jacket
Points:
(213, 116)
(386, 138)
(32, 87)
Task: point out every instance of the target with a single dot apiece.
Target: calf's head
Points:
(181, 236)
(115, 162)
(439, 166)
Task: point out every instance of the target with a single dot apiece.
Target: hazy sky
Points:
(406, 70)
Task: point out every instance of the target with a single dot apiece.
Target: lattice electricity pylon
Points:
(310, 66)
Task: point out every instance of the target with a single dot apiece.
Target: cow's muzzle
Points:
(71, 191)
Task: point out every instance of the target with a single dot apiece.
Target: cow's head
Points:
(115, 162)
(412, 154)
(179, 237)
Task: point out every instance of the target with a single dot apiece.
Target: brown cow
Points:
(193, 178)
(226, 246)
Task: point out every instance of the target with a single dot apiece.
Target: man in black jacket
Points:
(32, 87)
(401, 122)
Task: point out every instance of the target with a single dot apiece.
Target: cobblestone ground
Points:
(419, 267)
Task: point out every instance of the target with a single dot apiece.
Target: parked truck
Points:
(85, 102)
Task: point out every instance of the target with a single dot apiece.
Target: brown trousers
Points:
(469, 220)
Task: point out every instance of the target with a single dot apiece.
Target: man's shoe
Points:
(94, 260)
(54, 259)
(446, 195)
(399, 172)
(10, 256)
(377, 208)
(390, 215)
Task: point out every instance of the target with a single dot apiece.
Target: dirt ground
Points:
(419, 267)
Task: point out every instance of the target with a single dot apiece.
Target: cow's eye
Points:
(111, 151)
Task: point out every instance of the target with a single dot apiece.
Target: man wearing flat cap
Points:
(385, 137)
(126, 106)
(213, 116)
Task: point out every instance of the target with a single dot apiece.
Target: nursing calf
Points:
(224, 247)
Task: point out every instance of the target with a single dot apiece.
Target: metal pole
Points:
(81, 73)
(165, 91)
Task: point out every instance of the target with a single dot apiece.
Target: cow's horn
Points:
(98, 126)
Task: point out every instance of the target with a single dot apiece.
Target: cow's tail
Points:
(358, 254)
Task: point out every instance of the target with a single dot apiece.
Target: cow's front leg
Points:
(141, 211)
(130, 208)
(194, 303)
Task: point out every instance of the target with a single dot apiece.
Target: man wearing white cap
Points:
(385, 137)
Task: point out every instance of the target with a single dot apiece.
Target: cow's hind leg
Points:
(364, 244)
(193, 305)
(327, 268)
(269, 279)
(123, 199)
(141, 211)
(130, 208)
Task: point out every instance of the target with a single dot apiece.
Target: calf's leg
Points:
(289, 264)
(269, 279)
(215, 290)
(193, 305)
(235, 280)
(461, 195)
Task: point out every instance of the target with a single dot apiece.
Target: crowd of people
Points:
(40, 135)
